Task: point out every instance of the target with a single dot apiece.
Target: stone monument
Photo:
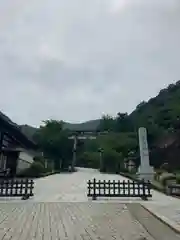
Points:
(145, 170)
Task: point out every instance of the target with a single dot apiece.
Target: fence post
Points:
(114, 188)
(26, 195)
(94, 197)
(31, 187)
(89, 187)
(144, 197)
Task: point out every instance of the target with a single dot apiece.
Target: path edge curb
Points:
(162, 220)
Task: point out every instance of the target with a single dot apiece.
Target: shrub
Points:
(166, 167)
(166, 177)
(35, 170)
(111, 161)
(178, 178)
(133, 171)
(158, 173)
(124, 170)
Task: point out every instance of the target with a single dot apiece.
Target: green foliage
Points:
(36, 170)
(91, 125)
(165, 167)
(123, 123)
(53, 141)
(107, 123)
(160, 115)
(112, 161)
(89, 160)
(163, 111)
(165, 177)
(124, 170)
(39, 159)
(178, 178)
(158, 173)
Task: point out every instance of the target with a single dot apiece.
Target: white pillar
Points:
(145, 170)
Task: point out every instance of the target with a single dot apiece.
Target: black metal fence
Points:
(174, 190)
(3, 173)
(98, 188)
(10, 187)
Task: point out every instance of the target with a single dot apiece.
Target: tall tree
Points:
(54, 142)
(123, 123)
(107, 123)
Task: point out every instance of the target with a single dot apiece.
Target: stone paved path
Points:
(79, 221)
(63, 188)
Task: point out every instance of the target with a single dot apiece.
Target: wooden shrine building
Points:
(16, 150)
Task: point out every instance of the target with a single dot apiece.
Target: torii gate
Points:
(80, 135)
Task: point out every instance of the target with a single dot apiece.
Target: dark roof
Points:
(15, 130)
(7, 119)
(9, 150)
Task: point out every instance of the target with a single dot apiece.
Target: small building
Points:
(16, 150)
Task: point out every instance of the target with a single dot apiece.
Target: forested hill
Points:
(91, 125)
(160, 113)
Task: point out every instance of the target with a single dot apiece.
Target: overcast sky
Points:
(77, 59)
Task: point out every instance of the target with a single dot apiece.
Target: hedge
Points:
(166, 177)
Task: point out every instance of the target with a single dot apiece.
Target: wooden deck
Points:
(73, 221)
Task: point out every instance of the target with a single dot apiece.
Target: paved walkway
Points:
(80, 221)
(167, 209)
(73, 188)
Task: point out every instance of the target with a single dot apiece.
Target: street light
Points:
(100, 150)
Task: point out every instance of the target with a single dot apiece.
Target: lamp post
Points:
(74, 153)
(100, 150)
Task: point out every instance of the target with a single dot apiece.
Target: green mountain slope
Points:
(160, 112)
(85, 126)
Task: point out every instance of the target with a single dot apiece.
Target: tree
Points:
(54, 142)
(159, 115)
(123, 123)
(88, 160)
(107, 123)
(112, 161)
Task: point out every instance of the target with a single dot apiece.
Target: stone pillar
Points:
(74, 154)
(145, 170)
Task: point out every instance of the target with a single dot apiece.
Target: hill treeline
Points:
(160, 115)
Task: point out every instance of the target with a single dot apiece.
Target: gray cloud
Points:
(76, 59)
